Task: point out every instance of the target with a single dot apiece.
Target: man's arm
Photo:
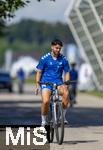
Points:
(66, 76)
(38, 76)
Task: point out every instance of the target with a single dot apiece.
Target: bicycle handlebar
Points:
(66, 83)
(46, 83)
(69, 82)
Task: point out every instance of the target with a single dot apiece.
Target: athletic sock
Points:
(64, 114)
(44, 119)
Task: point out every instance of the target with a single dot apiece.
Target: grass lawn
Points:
(95, 93)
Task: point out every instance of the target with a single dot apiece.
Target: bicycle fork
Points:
(55, 116)
(54, 105)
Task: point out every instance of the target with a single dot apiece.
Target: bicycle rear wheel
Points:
(59, 127)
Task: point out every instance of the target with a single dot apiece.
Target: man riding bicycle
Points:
(50, 69)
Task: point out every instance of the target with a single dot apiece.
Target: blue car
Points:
(5, 81)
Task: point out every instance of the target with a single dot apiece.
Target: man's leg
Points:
(46, 93)
(63, 91)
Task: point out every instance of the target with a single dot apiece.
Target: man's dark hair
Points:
(73, 65)
(57, 41)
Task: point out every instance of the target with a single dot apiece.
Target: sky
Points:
(46, 10)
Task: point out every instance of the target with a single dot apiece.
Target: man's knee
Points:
(46, 96)
(45, 101)
(66, 93)
(65, 98)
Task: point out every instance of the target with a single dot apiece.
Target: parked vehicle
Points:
(5, 81)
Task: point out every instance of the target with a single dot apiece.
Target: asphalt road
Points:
(85, 129)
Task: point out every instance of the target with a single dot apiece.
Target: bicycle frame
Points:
(55, 99)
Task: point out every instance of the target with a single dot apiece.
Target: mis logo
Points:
(20, 135)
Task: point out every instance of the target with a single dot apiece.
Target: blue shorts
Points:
(50, 87)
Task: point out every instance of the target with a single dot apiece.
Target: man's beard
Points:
(56, 53)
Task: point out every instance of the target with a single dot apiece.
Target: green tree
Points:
(38, 31)
(8, 7)
(2, 26)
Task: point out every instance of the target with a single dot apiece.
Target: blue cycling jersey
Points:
(52, 69)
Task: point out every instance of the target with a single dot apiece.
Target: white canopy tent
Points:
(27, 63)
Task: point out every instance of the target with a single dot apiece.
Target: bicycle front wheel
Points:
(59, 126)
(50, 135)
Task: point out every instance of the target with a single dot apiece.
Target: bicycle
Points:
(55, 114)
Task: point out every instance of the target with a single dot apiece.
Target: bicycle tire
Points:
(59, 127)
(50, 135)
